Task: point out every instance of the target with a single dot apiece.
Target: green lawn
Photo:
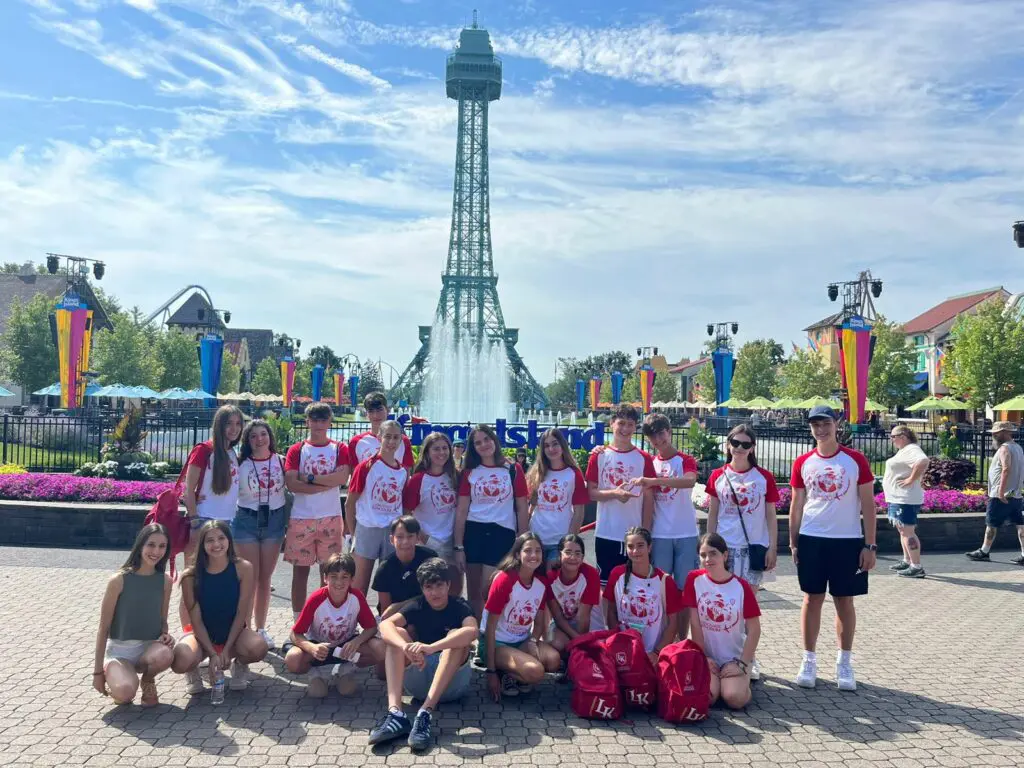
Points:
(44, 459)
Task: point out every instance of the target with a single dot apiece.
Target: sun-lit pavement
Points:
(938, 664)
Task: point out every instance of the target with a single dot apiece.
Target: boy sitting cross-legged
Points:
(428, 649)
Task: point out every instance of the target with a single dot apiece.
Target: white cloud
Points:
(354, 71)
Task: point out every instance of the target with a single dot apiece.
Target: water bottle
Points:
(217, 691)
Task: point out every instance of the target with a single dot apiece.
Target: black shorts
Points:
(609, 554)
(487, 543)
(998, 512)
(830, 563)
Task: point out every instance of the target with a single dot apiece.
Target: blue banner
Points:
(211, 354)
(617, 379)
(316, 377)
(353, 383)
(722, 361)
(581, 394)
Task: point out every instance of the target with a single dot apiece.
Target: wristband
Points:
(871, 547)
(459, 548)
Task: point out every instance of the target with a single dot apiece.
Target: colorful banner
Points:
(339, 386)
(855, 348)
(646, 387)
(353, 387)
(595, 392)
(83, 359)
(617, 380)
(72, 318)
(722, 362)
(581, 394)
(211, 355)
(316, 380)
(287, 381)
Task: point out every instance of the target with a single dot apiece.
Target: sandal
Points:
(149, 694)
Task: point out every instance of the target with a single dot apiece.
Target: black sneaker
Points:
(393, 725)
(977, 554)
(913, 572)
(902, 565)
(421, 736)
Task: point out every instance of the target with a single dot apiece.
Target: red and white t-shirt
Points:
(432, 500)
(491, 494)
(645, 604)
(722, 609)
(321, 621)
(674, 514)
(585, 589)
(308, 459)
(557, 494)
(514, 606)
(832, 510)
(380, 487)
(212, 505)
(610, 469)
(366, 444)
(754, 488)
(261, 482)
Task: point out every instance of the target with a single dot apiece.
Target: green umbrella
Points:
(871, 405)
(1013, 404)
(760, 403)
(732, 402)
(811, 402)
(940, 404)
(786, 404)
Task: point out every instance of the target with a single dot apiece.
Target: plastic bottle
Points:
(217, 691)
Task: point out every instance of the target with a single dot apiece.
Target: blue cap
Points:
(822, 412)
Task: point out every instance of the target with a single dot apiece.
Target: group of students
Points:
(513, 536)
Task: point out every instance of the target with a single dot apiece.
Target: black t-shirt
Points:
(431, 625)
(398, 579)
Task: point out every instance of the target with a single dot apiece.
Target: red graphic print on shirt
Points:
(442, 496)
(494, 487)
(829, 483)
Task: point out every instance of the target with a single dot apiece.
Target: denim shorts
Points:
(250, 527)
(904, 514)
(551, 553)
(418, 681)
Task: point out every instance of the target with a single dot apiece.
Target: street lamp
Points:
(284, 340)
(856, 295)
(1018, 233)
(723, 331)
(77, 267)
(646, 353)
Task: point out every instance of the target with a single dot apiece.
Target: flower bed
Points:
(937, 500)
(40, 487)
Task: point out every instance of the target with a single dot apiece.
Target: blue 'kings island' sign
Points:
(516, 436)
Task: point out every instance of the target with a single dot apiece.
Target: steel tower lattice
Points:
(469, 286)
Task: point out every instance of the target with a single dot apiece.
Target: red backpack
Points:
(684, 683)
(637, 676)
(595, 691)
(166, 511)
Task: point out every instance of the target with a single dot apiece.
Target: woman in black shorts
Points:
(491, 511)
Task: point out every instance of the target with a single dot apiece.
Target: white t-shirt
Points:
(432, 500)
(514, 606)
(754, 488)
(491, 494)
(261, 482)
(645, 604)
(321, 621)
(366, 444)
(212, 505)
(584, 590)
(723, 610)
(557, 494)
(380, 487)
(308, 459)
(610, 468)
(899, 468)
(674, 513)
(832, 509)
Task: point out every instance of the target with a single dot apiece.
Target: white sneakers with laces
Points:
(807, 677)
(193, 682)
(844, 676)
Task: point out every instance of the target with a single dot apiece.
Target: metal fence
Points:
(64, 443)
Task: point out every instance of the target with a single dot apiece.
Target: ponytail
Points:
(646, 536)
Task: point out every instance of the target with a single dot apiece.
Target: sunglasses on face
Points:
(744, 444)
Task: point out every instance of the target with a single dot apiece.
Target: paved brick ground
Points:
(938, 663)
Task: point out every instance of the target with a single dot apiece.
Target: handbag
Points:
(756, 553)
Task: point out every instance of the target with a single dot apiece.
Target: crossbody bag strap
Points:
(736, 501)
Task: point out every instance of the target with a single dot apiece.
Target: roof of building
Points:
(825, 323)
(260, 341)
(685, 367)
(949, 309)
(25, 287)
(188, 313)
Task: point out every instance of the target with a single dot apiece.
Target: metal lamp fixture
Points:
(99, 269)
(876, 288)
(1018, 233)
(833, 292)
(711, 329)
(735, 328)
(52, 264)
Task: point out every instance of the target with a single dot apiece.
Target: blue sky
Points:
(654, 165)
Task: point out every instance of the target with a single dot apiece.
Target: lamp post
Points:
(75, 267)
(853, 335)
(722, 360)
(71, 324)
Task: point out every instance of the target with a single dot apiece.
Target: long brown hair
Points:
(197, 568)
(423, 465)
(245, 450)
(472, 459)
(536, 474)
(134, 561)
(513, 561)
(221, 460)
(742, 429)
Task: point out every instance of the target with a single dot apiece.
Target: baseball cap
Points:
(822, 412)
(460, 443)
(1004, 426)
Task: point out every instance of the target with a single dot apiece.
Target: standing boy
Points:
(367, 444)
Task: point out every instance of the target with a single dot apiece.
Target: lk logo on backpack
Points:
(637, 677)
(684, 683)
(595, 692)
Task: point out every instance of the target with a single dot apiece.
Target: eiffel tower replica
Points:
(469, 287)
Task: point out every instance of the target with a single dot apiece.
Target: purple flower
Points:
(41, 487)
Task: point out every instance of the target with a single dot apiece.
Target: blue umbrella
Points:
(54, 389)
(198, 394)
(174, 393)
(142, 391)
(6, 392)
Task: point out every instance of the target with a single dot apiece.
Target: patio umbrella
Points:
(246, 396)
(6, 392)
(54, 389)
(228, 396)
(786, 404)
(871, 405)
(732, 402)
(141, 390)
(940, 404)
(174, 393)
(760, 404)
(811, 402)
(1013, 404)
(268, 398)
(198, 394)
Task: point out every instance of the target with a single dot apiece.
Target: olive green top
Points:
(138, 615)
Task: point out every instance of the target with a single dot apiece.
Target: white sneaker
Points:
(755, 670)
(239, 676)
(193, 682)
(844, 676)
(807, 677)
(262, 632)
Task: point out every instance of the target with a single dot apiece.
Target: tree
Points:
(324, 355)
(230, 373)
(370, 380)
(756, 365)
(986, 362)
(891, 375)
(267, 378)
(806, 375)
(705, 383)
(127, 354)
(109, 303)
(179, 360)
(28, 344)
(26, 268)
